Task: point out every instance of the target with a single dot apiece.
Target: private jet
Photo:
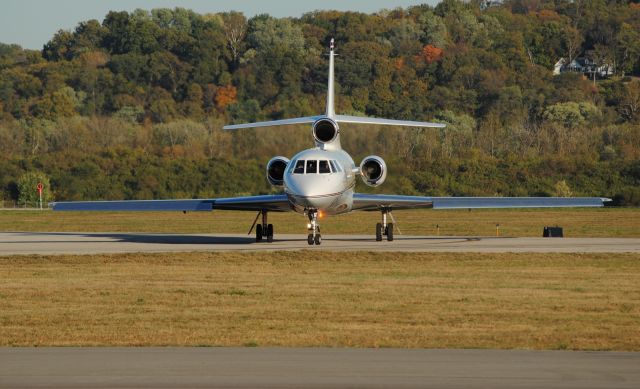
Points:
(321, 181)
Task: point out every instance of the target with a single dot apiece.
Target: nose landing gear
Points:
(384, 228)
(313, 227)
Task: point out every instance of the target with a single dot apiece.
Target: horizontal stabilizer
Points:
(339, 119)
(386, 122)
(282, 122)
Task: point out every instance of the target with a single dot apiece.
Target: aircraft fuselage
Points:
(322, 180)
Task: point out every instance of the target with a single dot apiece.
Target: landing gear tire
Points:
(379, 232)
(270, 233)
(390, 232)
(259, 233)
(313, 227)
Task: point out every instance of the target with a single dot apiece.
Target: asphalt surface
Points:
(45, 243)
(313, 368)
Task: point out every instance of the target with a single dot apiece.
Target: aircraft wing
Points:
(386, 122)
(373, 202)
(278, 203)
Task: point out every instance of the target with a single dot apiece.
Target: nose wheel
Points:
(313, 227)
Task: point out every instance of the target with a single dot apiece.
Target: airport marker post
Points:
(40, 187)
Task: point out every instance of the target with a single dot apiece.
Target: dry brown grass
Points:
(531, 301)
(605, 222)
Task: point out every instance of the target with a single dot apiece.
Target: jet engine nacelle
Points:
(325, 130)
(373, 170)
(275, 170)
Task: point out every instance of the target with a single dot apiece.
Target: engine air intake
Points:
(325, 130)
(373, 170)
(275, 170)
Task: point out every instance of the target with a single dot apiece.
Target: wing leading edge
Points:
(372, 202)
(277, 203)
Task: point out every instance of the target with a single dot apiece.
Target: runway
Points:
(313, 368)
(30, 243)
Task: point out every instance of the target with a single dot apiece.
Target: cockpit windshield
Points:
(299, 167)
(324, 167)
(312, 166)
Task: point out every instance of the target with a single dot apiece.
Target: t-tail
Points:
(326, 130)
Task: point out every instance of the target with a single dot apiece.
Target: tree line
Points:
(132, 107)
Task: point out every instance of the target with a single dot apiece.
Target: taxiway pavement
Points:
(46, 243)
(313, 368)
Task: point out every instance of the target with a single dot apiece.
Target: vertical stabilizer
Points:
(330, 103)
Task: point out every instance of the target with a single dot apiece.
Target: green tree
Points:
(234, 25)
(630, 105)
(561, 189)
(28, 189)
(571, 114)
(628, 40)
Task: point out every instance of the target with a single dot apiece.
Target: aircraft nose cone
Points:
(312, 191)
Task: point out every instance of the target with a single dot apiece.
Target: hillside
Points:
(132, 106)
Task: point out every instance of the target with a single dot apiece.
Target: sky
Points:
(32, 23)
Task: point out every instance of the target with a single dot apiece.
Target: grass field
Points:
(529, 301)
(601, 222)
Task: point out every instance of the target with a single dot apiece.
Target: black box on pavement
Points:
(552, 232)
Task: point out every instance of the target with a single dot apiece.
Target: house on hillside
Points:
(559, 66)
(490, 3)
(583, 65)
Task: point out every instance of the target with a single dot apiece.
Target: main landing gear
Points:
(384, 228)
(313, 227)
(263, 230)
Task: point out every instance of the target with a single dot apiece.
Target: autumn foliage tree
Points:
(225, 95)
(431, 54)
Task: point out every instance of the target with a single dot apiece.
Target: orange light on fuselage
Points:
(320, 214)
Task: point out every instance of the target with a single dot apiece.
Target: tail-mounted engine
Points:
(373, 170)
(275, 170)
(325, 130)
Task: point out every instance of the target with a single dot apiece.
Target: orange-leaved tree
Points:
(431, 53)
(225, 95)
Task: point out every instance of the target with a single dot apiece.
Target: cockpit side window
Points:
(324, 167)
(336, 166)
(299, 169)
(312, 166)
